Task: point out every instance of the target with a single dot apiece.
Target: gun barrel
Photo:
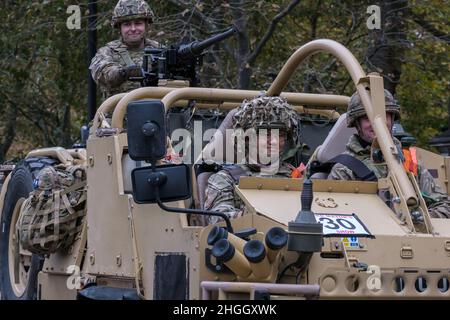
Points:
(195, 48)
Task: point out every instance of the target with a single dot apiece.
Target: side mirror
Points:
(173, 183)
(146, 130)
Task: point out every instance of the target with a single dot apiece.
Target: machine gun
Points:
(177, 62)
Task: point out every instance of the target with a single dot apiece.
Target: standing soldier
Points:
(269, 114)
(121, 59)
(360, 148)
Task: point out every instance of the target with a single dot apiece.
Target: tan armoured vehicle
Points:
(299, 238)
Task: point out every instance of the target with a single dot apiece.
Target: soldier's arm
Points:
(220, 196)
(105, 71)
(341, 172)
(438, 201)
(428, 185)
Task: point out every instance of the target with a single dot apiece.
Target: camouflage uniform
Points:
(262, 112)
(439, 204)
(220, 194)
(110, 62)
(356, 149)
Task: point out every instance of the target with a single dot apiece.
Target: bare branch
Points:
(314, 20)
(204, 19)
(271, 29)
(428, 27)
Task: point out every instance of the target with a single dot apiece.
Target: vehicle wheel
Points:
(18, 272)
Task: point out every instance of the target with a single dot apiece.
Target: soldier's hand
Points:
(131, 71)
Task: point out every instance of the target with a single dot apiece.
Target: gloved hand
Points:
(131, 71)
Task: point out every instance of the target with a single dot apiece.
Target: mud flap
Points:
(171, 281)
(107, 293)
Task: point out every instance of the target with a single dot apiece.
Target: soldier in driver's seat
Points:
(275, 124)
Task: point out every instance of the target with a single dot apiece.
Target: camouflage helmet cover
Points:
(267, 113)
(47, 179)
(126, 10)
(356, 109)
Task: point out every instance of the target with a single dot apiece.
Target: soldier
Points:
(260, 113)
(121, 59)
(360, 147)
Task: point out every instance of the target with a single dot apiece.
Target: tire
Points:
(18, 188)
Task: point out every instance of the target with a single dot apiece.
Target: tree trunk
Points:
(10, 131)
(386, 49)
(243, 50)
(66, 139)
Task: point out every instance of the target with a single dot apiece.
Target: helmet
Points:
(267, 113)
(131, 9)
(47, 179)
(356, 109)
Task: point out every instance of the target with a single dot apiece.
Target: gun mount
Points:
(177, 62)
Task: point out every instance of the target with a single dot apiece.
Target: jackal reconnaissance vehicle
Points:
(138, 234)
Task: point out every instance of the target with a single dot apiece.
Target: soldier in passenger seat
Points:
(360, 156)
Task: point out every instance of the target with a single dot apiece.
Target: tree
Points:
(43, 64)
(40, 67)
(214, 16)
(386, 50)
(425, 82)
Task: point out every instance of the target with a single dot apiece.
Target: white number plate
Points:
(342, 225)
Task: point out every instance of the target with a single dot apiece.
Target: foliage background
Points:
(43, 64)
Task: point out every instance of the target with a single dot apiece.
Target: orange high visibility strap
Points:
(414, 163)
(410, 163)
(298, 172)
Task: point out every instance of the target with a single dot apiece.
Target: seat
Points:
(215, 150)
(218, 144)
(334, 144)
(202, 183)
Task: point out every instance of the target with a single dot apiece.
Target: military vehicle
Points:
(142, 238)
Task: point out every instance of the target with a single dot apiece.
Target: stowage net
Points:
(51, 218)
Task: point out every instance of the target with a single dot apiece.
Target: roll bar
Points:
(376, 113)
(219, 95)
(373, 101)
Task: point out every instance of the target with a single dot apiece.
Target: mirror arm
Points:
(158, 182)
(195, 211)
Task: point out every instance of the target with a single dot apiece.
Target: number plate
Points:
(342, 224)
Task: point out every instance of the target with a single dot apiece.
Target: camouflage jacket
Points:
(108, 61)
(220, 193)
(355, 149)
(431, 191)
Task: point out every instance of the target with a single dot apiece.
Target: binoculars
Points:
(247, 258)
